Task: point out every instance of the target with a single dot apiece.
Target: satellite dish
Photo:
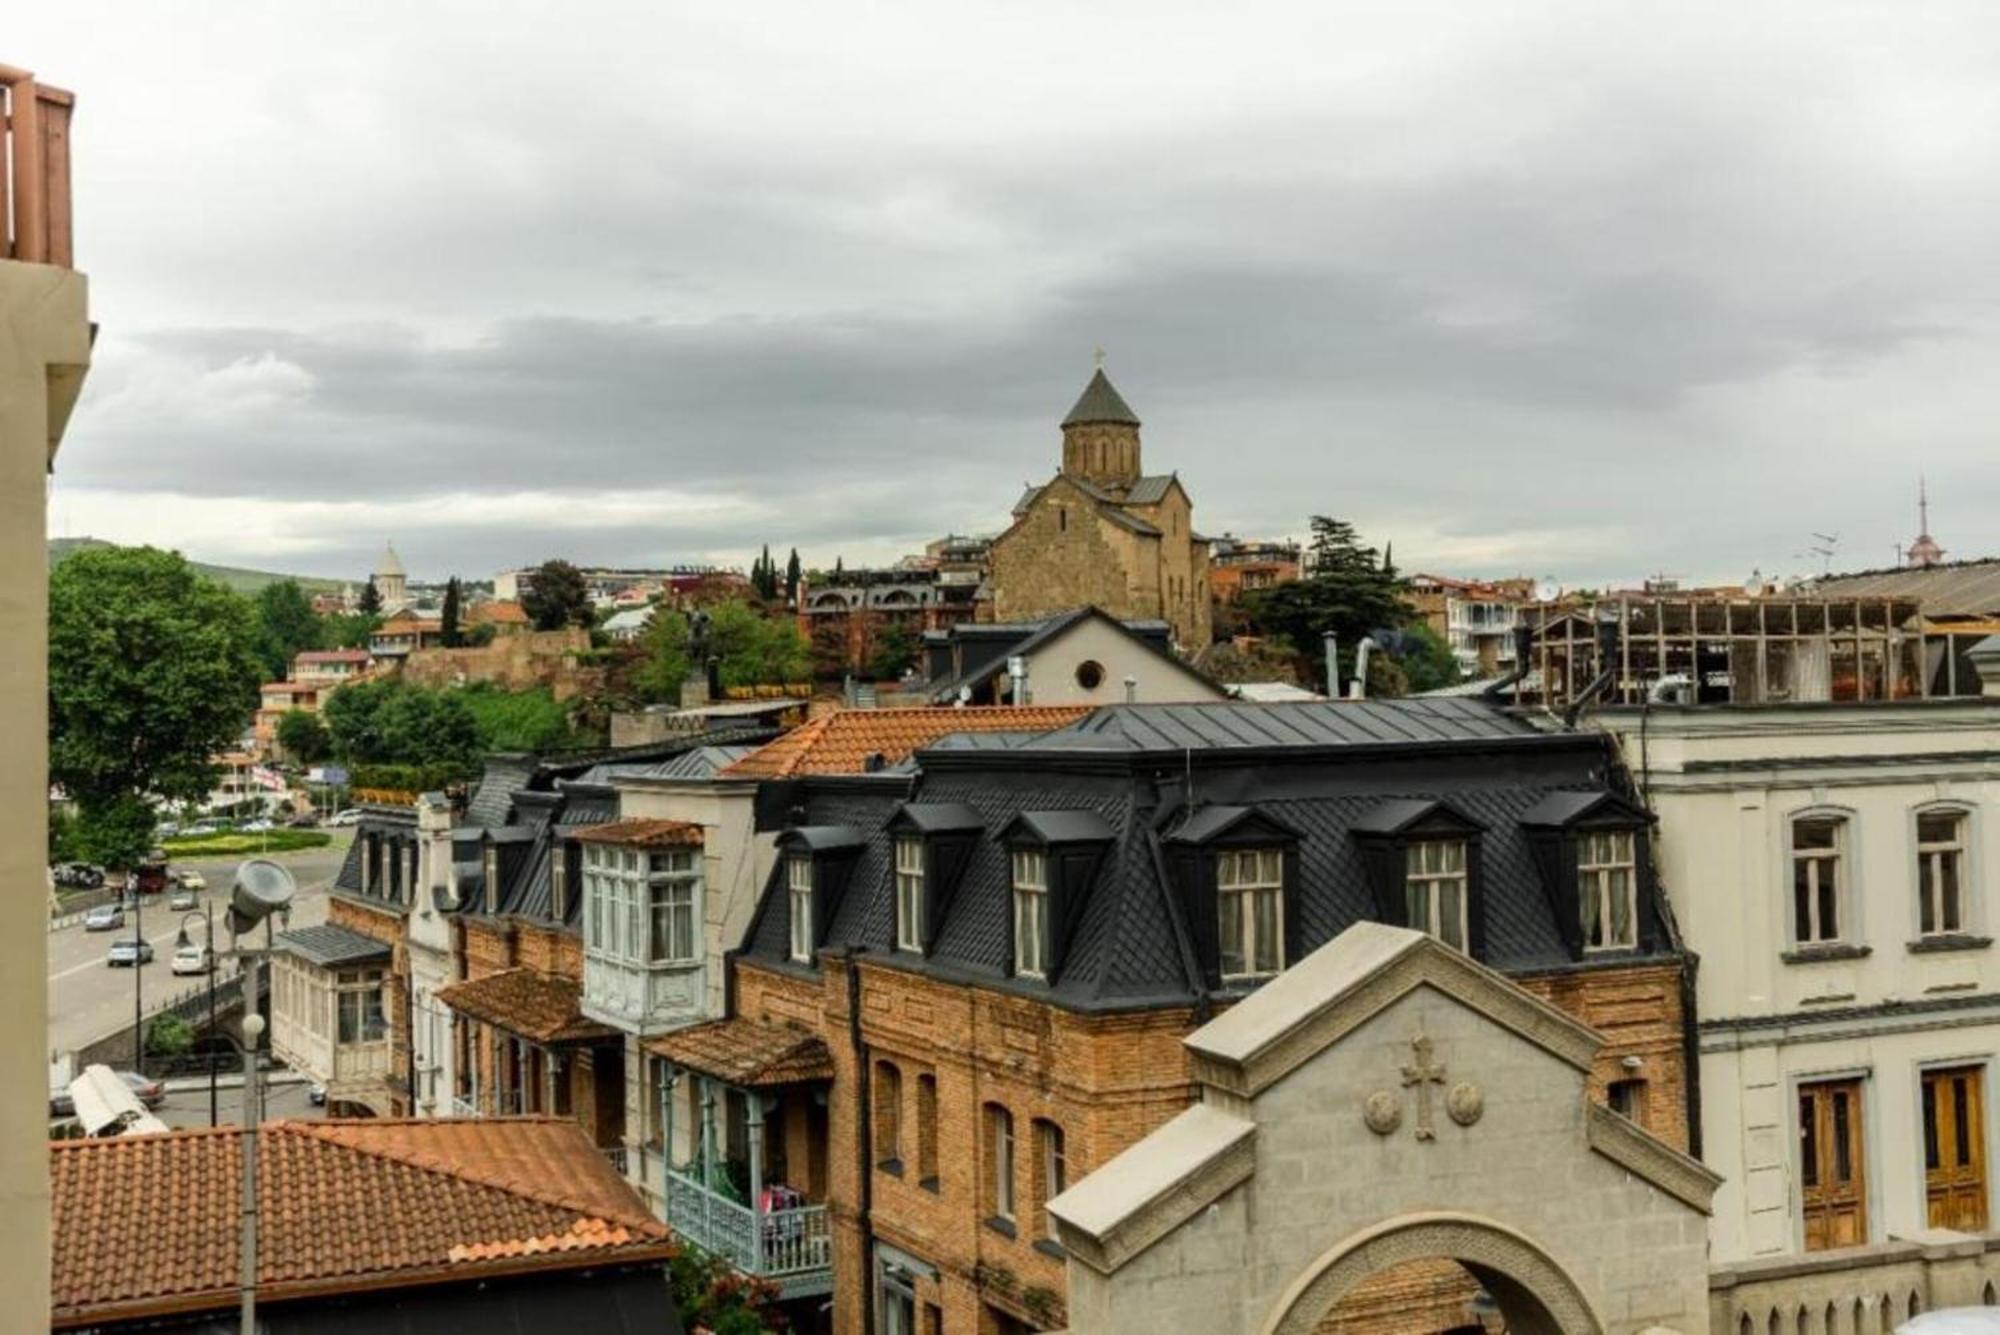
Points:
(261, 889)
(1547, 591)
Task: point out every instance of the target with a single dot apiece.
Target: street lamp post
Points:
(138, 973)
(208, 919)
(262, 890)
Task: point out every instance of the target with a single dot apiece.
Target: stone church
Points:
(1105, 533)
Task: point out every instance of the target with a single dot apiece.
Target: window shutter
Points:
(1071, 870)
(1382, 861)
(1295, 927)
(1649, 906)
(944, 866)
(1195, 868)
(1475, 899)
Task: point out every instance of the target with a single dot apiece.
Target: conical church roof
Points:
(1100, 403)
(390, 563)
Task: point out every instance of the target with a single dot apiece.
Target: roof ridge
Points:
(430, 1161)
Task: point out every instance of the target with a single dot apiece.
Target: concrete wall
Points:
(1726, 784)
(44, 347)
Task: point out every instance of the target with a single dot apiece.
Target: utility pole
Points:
(138, 974)
(253, 1115)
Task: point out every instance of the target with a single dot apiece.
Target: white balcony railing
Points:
(771, 1244)
(464, 1107)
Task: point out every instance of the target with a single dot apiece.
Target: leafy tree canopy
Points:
(1348, 589)
(895, 652)
(286, 627)
(348, 630)
(753, 649)
(388, 722)
(304, 737)
(152, 670)
(528, 720)
(557, 596)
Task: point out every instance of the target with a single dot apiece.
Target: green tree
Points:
(1426, 660)
(152, 670)
(556, 596)
(756, 650)
(304, 737)
(1348, 591)
(348, 630)
(169, 1036)
(664, 659)
(792, 577)
(286, 626)
(371, 600)
(895, 652)
(528, 720)
(448, 619)
(389, 722)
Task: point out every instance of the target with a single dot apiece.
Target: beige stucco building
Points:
(1832, 867)
(1103, 533)
(45, 337)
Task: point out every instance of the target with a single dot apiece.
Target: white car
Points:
(351, 816)
(193, 880)
(259, 826)
(193, 958)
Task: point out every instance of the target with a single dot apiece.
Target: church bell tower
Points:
(1101, 438)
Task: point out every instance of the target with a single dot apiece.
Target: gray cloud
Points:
(1520, 293)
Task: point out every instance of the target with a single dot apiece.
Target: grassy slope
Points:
(234, 577)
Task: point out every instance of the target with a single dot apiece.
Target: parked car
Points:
(182, 899)
(207, 827)
(258, 826)
(193, 880)
(151, 1093)
(78, 876)
(193, 958)
(130, 952)
(307, 821)
(104, 918)
(317, 1095)
(351, 816)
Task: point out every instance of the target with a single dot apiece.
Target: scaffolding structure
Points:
(1716, 649)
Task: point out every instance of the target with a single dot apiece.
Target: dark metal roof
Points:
(1099, 402)
(1217, 819)
(1395, 814)
(1306, 723)
(1062, 827)
(1959, 588)
(826, 838)
(329, 945)
(1149, 490)
(941, 817)
(1562, 808)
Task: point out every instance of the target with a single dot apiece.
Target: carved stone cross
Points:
(1423, 1073)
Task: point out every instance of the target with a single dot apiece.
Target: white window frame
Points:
(1243, 876)
(1840, 856)
(1030, 874)
(910, 893)
(360, 985)
(1930, 855)
(1427, 883)
(1001, 1121)
(673, 895)
(1054, 1169)
(799, 896)
(1600, 856)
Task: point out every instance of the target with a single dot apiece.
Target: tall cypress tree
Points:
(792, 573)
(448, 630)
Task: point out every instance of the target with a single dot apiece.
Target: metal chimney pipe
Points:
(1131, 690)
(1361, 650)
(1332, 644)
(1017, 674)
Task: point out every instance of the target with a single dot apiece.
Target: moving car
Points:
(193, 880)
(351, 816)
(182, 898)
(78, 876)
(210, 826)
(258, 826)
(130, 953)
(151, 1093)
(193, 958)
(104, 918)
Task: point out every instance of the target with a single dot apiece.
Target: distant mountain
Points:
(234, 577)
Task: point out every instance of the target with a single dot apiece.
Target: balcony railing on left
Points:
(34, 170)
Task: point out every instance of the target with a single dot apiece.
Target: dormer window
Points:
(1250, 911)
(1434, 888)
(910, 893)
(1031, 913)
(799, 893)
(640, 905)
(1607, 887)
(670, 889)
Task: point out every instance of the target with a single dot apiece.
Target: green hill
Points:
(234, 577)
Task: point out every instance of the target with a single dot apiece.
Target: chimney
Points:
(1017, 675)
(1985, 659)
(1131, 690)
(1332, 645)
(434, 876)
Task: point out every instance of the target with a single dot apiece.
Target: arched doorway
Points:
(1535, 1295)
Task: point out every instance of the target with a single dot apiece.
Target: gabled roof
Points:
(1099, 402)
(527, 1002)
(843, 741)
(1061, 827)
(1567, 807)
(1215, 820)
(151, 1225)
(824, 838)
(643, 833)
(1053, 629)
(1394, 815)
(938, 817)
(1150, 489)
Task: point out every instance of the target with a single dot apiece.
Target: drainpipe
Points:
(864, 1127)
(1331, 643)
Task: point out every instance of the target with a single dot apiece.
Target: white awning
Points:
(104, 1102)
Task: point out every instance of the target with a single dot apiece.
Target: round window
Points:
(1090, 674)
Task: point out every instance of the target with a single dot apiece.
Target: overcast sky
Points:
(1583, 291)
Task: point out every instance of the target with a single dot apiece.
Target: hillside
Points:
(234, 577)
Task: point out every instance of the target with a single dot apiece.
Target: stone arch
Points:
(1537, 1293)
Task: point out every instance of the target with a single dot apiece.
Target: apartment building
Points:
(1832, 866)
(968, 980)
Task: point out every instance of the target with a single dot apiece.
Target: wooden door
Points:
(1955, 1149)
(1833, 1177)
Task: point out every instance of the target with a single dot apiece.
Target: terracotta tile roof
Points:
(332, 656)
(841, 742)
(147, 1225)
(638, 833)
(750, 1054)
(499, 613)
(527, 1002)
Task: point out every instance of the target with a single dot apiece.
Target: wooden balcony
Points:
(34, 170)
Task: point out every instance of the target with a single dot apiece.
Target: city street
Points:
(187, 1102)
(88, 997)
